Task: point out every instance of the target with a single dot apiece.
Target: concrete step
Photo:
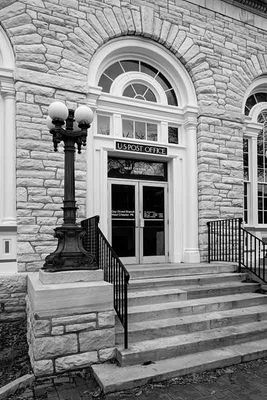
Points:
(189, 307)
(220, 289)
(173, 346)
(156, 270)
(202, 279)
(146, 330)
(161, 295)
(112, 378)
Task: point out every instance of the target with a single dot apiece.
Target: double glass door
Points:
(138, 220)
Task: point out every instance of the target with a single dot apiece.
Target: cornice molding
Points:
(256, 6)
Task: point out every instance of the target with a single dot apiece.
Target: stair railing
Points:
(95, 242)
(229, 241)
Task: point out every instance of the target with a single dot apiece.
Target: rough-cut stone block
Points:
(42, 367)
(80, 327)
(41, 327)
(96, 340)
(75, 361)
(106, 354)
(48, 347)
(74, 319)
(57, 330)
(106, 318)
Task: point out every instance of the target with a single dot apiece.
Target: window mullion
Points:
(253, 177)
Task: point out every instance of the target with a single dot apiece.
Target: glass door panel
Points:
(123, 220)
(153, 221)
(138, 221)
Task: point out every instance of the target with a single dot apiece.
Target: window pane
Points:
(140, 169)
(103, 125)
(171, 98)
(148, 69)
(260, 162)
(127, 128)
(173, 134)
(260, 175)
(129, 92)
(251, 101)
(163, 81)
(139, 88)
(149, 96)
(105, 83)
(140, 130)
(130, 65)
(261, 97)
(152, 132)
(114, 70)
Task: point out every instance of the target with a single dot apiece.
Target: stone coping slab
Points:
(53, 278)
(50, 298)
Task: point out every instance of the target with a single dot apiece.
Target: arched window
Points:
(138, 81)
(137, 90)
(7, 159)
(255, 156)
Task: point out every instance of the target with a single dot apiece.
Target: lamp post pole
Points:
(70, 253)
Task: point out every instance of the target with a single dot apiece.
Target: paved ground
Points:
(243, 382)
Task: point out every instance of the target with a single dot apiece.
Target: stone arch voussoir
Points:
(242, 78)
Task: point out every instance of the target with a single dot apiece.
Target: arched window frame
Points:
(8, 225)
(252, 130)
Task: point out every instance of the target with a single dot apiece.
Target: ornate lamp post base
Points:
(70, 253)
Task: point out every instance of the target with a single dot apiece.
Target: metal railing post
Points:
(239, 244)
(208, 242)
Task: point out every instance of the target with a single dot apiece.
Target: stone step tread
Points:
(111, 377)
(185, 278)
(157, 292)
(195, 337)
(195, 302)
(200, 286)
(214, 286)
(183, 269)
(133, 267)
(191, 319)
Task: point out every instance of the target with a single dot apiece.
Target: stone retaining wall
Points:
(63, 343)
(12, 297)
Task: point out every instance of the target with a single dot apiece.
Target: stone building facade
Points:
(213, 55)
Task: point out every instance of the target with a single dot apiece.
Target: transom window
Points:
(253, 100)
(140, 92)
(139, 130)
(137, 90)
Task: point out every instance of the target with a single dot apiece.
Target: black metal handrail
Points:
(95, 242)
(229, 241)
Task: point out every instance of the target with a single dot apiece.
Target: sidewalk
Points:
(242, 382)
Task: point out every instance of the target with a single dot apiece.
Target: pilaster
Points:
(191, 250)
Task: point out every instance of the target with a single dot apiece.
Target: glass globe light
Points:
(58, 110)
(84, 114)
(49, 123)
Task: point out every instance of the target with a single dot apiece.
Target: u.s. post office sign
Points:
(141, 148)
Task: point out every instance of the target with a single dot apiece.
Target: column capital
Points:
(252, 129)
(93, 95)
(190, 118)
(7, 86)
